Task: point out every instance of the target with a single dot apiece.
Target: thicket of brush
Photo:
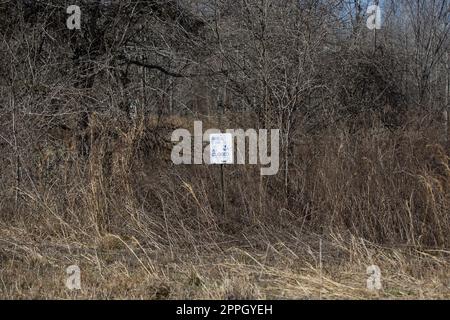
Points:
(378, 189)
(86, 118)
(383, 186)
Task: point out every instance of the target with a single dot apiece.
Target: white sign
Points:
(221, 148)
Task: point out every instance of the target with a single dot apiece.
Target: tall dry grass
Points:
(141, 227)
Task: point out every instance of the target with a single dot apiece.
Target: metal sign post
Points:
(221, 152)
(222, 187)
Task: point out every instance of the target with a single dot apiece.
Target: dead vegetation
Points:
(86, 176)
(149, 229)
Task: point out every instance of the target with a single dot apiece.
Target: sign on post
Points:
(221, 148)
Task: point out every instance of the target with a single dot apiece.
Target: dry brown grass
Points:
(142, 228)
(124, 270)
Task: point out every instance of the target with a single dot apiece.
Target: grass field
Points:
(146, 229)
(113, 268)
